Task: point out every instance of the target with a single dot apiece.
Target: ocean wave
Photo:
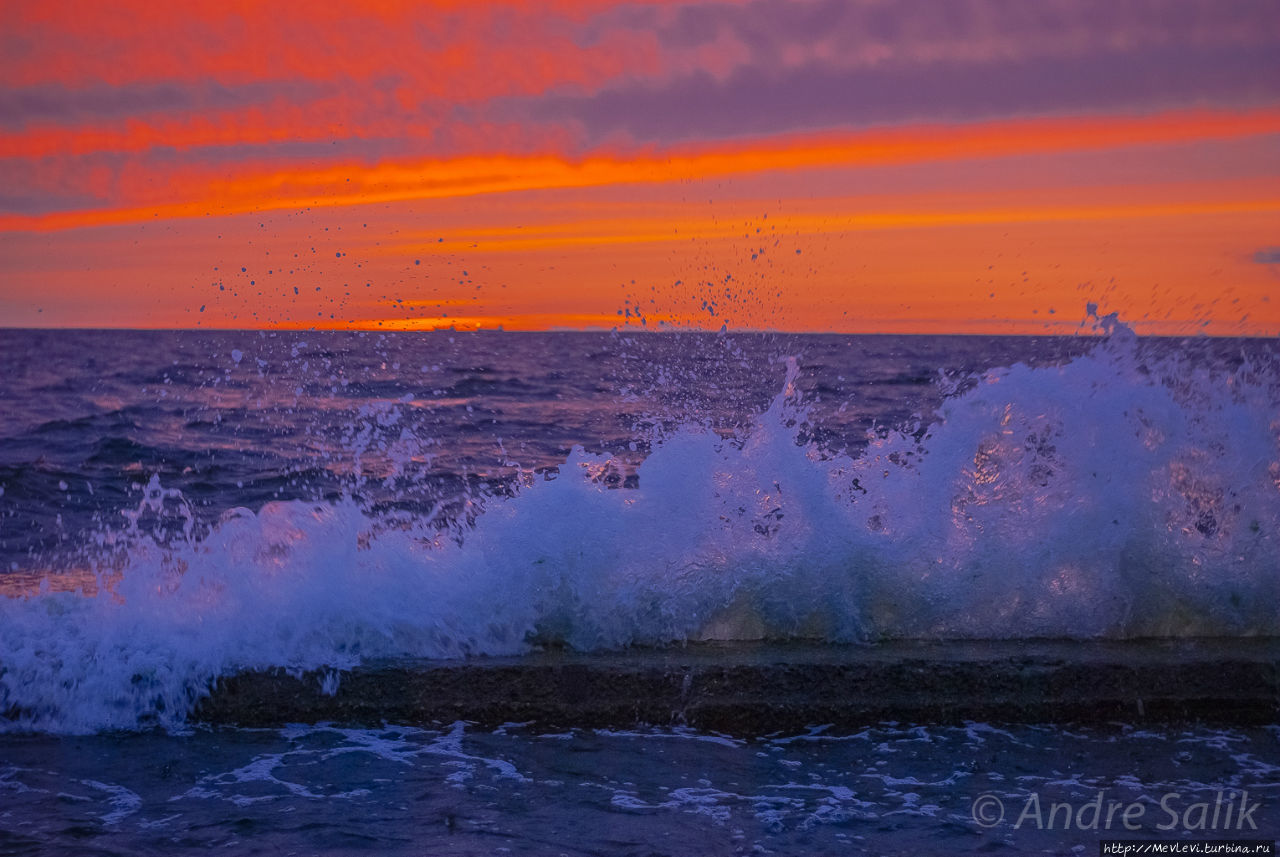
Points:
(1122, 493)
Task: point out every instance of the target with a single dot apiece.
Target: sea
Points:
(181, 506)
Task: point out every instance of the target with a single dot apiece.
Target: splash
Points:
(1120, 494)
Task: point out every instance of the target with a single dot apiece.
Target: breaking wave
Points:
(1120, 494)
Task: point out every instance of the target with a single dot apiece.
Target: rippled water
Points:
(175, 507)
(888, 790)
(242, 419)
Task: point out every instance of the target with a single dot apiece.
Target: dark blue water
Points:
(180, 506)
(404, 420)
(890, 789)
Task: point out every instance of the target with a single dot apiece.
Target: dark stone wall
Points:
(753, 689)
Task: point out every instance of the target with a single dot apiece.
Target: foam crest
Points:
(1107, 497)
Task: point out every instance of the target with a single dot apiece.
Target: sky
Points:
(968, 166)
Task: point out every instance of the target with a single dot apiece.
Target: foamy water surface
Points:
(181, 506)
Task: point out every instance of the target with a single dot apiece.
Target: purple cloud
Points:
(775, 66)
(57, 103)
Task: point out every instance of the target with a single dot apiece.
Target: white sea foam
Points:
(1108, 497)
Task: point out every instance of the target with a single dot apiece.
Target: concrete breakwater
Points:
(759, 688)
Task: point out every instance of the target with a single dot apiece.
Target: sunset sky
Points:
(862, 165)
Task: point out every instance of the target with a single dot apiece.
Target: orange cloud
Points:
(462, 50)
(613, 233)
(145, 194)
